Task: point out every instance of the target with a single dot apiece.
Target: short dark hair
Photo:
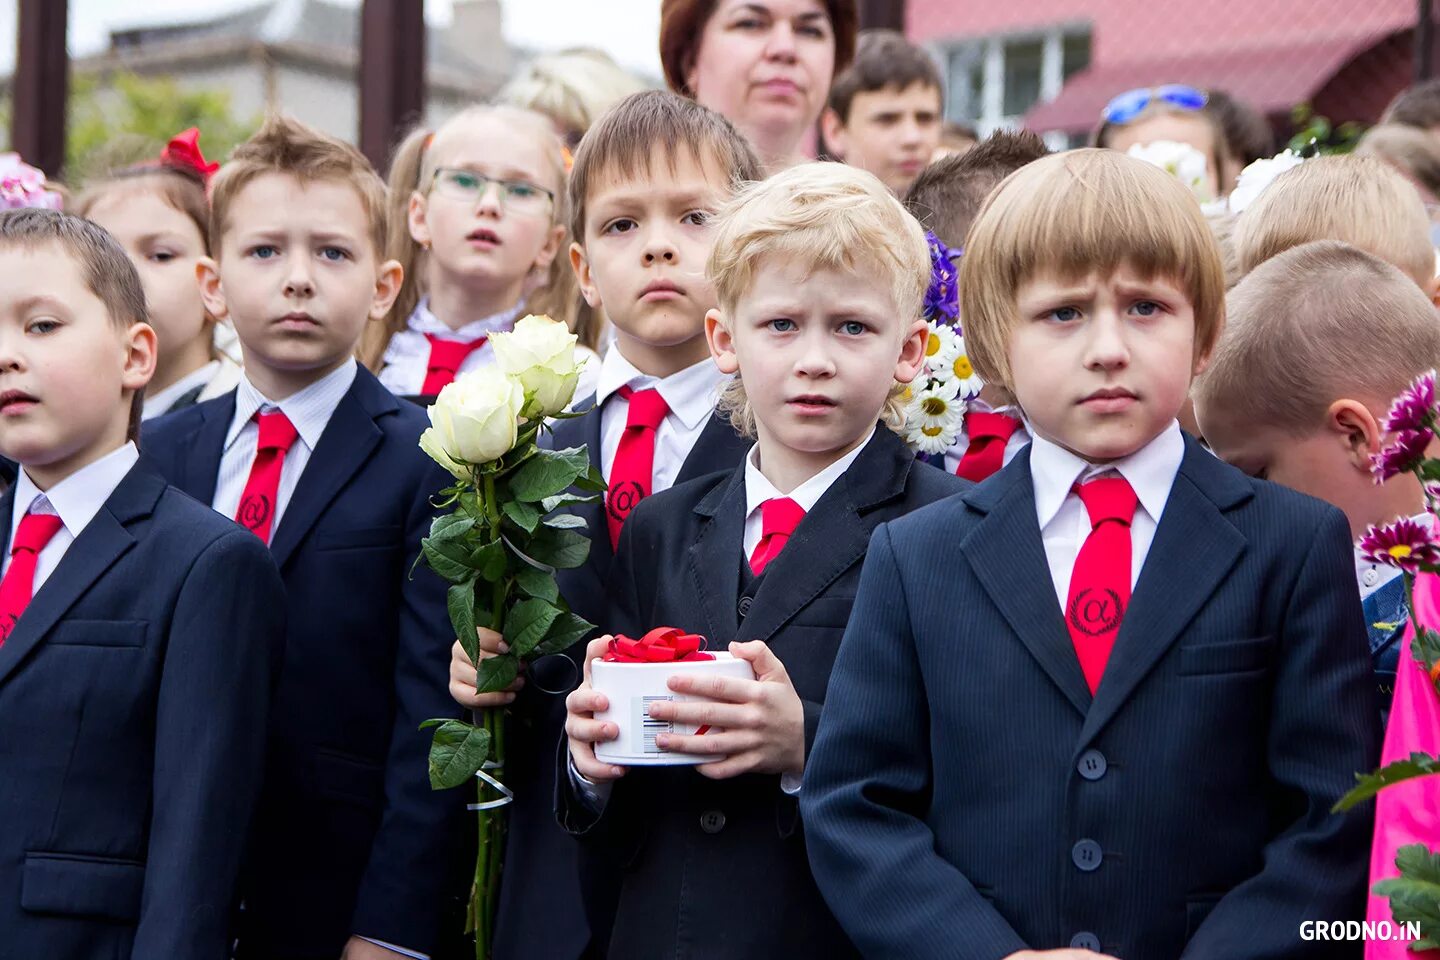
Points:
(107, 270)
(1418, 106)
(947, 195)
(1246, 131)
(883, 58)
(649, 127)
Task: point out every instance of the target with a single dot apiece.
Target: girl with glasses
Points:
(1173, 112)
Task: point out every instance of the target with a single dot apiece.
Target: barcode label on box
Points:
(649, 726)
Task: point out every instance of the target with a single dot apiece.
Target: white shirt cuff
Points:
(401, 951)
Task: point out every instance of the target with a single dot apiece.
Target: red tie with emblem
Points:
(446, 356)
(632, 475)
(35, 530)
(778, 519)
(262, 491)
(989, 433)
(1100, 582)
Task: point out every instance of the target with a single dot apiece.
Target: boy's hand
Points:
(358, 948)
(583, 730)
(1059, 955)
(762, 721)
(464, 680)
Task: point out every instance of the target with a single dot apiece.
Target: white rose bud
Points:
(1259, 175)
(539, 354)
(1181, 161)
(474, 420)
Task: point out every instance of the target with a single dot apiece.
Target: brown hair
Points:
(105, 267)
(883, 58)
(1246, 133)
(1315, 323)
(1355, 199)
(1411, 151)
(287, 146)
(1418, 106)
(947, 194)
(631, 135)
(1074, 214)
(682, 22)
(1105, 132)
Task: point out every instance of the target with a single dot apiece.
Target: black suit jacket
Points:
(694, 868)
(133, 697)
(350, 838)
(540, 913)
(968, 798)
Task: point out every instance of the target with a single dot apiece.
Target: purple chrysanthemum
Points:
(1405, 544)
(942, 299)
(1402, 456)
(1414, 408)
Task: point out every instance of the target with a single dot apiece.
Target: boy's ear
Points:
(207, 274)
(1351, 422)
(581, 265)
(140, 353)
(912, 352)
(387, 288)
(721, 341)
(415, 218)
(550, 249)
(833, 130)
(1434, 289)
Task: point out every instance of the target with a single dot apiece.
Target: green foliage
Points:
(1316, 134)
(457, 751)
(1369, 784)
(1415, 894)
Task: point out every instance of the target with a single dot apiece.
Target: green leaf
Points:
(537, 583)
(1418, 765)
(489, 561)
(549, 472)
(561, 549)
(1415, 894)
(565, 500)
(460, 601)
(526, 516)
(450, 527)
(448, 558)
(592, 480)
(497, 673)
(526, 625)
(567, 630)
(457, 750)
(565, 521)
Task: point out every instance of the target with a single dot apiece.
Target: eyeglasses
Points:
(516, 196)
(1130, 104)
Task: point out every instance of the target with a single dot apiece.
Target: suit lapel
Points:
(198, 468)
(103, 541)
(349, 439)
(1006, 553)
(1195, 546)
(715, 557)
(717, 448)
(594, 513)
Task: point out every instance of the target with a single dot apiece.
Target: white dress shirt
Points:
(76, 500)
(309, 410)
(1014, 445)
(758, 489)
(407, 356)
(160, 402)
(1064, 522)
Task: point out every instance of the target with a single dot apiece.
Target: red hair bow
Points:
(661, 645)
(183, 151)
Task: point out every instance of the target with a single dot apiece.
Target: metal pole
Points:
(1424, 42)
(41, 85)
(392, 74)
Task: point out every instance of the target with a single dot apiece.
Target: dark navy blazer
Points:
(968, 798)
(133, 697)
(350, 838)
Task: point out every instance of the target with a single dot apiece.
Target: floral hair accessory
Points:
(22, 185)
(942, 299)
(1257, 176)
(1181, 161)
(183, 153)
(661, 645)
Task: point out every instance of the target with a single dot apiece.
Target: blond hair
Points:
(1414, 153)
(1074, 214)
(1319, 322)
(825, 216)
(285, 145)
(412, 171)
(572, 87)
(1222, 225)
(1358, 200)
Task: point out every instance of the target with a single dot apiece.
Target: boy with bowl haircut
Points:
(1121, 725)
(765, 559)
(138, 631)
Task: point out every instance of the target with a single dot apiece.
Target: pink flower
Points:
(1401, 456)
(22, 185)
(1405, 544)
(1414, 409)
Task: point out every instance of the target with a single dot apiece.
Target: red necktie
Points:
(989, 433)
(778, 519)
(632, 473)
(262, 491)
(16, 589)
(446, 356)
(1100, 582)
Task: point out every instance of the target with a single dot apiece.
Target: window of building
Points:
(992, 81)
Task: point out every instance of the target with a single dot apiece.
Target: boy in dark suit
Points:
(646, 178)
(353, 851)
(138, 632)
(819, 274)
(1104, 701)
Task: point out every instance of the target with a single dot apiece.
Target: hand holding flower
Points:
(464, 678)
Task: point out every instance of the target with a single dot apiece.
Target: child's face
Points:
(819, 350)
(473, 232)
(67, 371)
(643, 260)
(891, 132)
(299, 276)
(1101, 365)
(165, 245)
(1191, 128)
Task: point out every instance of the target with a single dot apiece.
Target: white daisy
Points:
(940, 350)
(962, 374)
(933, 418)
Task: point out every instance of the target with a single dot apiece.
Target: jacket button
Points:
(712, 821)
(744, 606)
(1085, 940)
(1092, 765)
(1087, 855)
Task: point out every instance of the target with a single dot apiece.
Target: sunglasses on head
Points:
(1130, 104)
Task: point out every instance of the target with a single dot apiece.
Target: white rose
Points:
(540, 354)
(473, 421)
(1259, 175)
(1180, 160)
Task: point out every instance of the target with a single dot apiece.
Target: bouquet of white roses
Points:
(499, 548)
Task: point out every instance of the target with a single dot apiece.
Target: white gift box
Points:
(632, 687)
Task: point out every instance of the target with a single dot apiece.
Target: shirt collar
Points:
(1150, 471)
(758, 488)
(690, 394)
(79, 496)
(423, 321)
(308, 409)
(162, 400)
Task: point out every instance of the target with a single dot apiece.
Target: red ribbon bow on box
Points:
(661, 645)
(183, 151)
